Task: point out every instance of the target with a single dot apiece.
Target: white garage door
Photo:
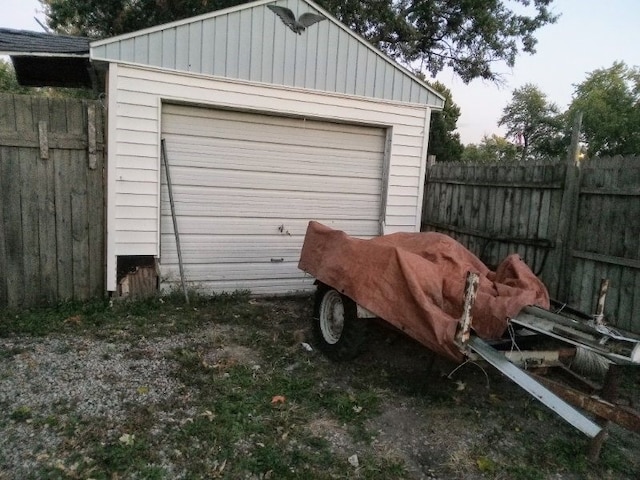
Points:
(245, 186)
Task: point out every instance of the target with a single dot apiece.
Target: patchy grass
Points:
(155, 316)
(253, 404)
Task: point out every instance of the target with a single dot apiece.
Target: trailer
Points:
(538, 339)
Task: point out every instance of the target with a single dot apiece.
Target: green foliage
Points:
(105, 18)
(533, 121)
(136, 317)
(8, 80)
(21, 414)
(493, 149)
(444, 142)
(467, 36)
(609, 99)
(470, 37)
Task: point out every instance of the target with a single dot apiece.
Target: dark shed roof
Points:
(25, 42)
(47, 59)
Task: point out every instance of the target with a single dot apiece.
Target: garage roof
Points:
(250, 42)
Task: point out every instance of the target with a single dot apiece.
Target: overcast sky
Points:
(590, 34)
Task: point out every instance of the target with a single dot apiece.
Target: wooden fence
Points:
(51, 200)
(572, 225)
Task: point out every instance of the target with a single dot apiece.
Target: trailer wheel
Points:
(339, 333)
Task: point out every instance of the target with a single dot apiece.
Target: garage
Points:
(245, 186)
(265, 129)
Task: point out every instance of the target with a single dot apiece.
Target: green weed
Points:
(21, 414)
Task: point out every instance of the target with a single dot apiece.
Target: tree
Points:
(106, 18)
(468, 36)
(8, 81)
(493, 149)
(444, 142)
(533, 121)
(610, 102)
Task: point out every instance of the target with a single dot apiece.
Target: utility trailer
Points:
(339, 323)
(553, 336)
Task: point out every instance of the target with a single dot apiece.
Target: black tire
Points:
(338, 331)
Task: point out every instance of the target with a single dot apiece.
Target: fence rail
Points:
(495, 210)
(51, 200)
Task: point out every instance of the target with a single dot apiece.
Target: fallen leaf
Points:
(75, 320)
(278, 399)
(143, 390)
(485, 464)
(127, 439)
(208, 414)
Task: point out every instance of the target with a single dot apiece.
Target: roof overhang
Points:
(48, 60)
(55, 71)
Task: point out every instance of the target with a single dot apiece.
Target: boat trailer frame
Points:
(574, 331)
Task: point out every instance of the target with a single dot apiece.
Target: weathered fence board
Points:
(607, 237)
(51, 202)
(573, 226)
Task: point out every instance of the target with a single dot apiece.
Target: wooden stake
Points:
(464, 326)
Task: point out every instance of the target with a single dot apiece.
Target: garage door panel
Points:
(238, 209)
(330, 195)
(206, 250)
(187, 181)
(235, 271)
(181, 114)
(289, 159)
(246, 185)
(251, 226)
(178, 117)
(272, 135)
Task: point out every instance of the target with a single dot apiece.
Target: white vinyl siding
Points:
(134, 146)
(245, 186)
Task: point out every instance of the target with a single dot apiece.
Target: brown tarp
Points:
(415, 281)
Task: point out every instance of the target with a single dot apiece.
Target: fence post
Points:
(431, 161)
(568, 214)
